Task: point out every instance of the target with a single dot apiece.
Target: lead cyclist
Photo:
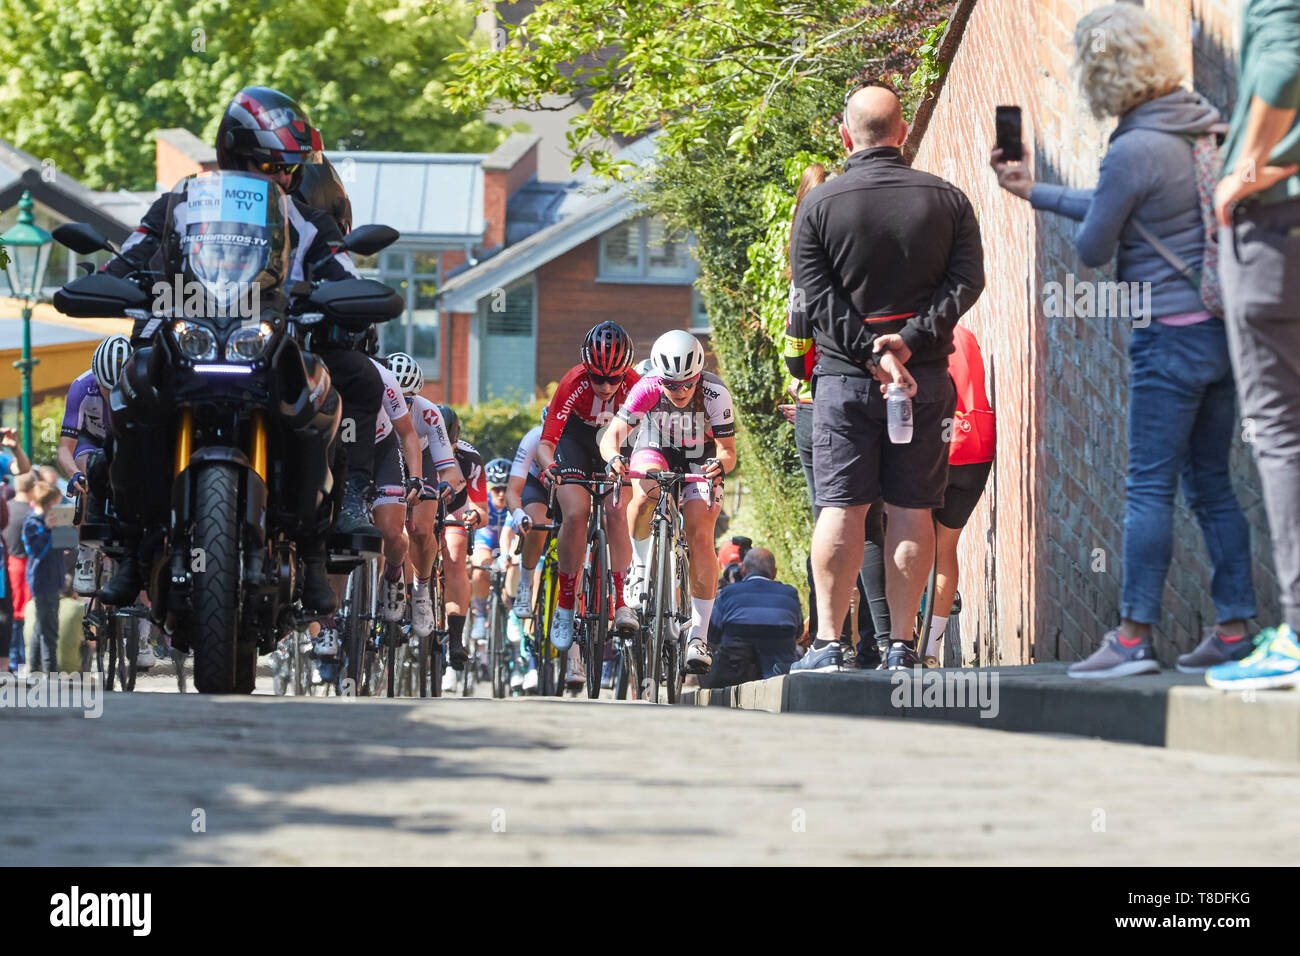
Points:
(683, 420)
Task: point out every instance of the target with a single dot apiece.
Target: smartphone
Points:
(1008, 134)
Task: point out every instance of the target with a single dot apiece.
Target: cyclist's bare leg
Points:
(534, 541)
(575, 504)
(700, 522)
(481, 579)
(838, 541)
(644, 495)
(909, 555)
(457, 578)
(424, 543)
(390, 521)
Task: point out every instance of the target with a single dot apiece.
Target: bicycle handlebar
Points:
(668, 478)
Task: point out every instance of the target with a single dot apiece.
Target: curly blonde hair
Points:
(1123, 57)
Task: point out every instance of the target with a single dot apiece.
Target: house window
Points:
(413, 275)
(699, 317)
(645, 250)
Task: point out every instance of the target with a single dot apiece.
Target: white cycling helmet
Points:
(677, 356)
(408, 373)
(110, 356)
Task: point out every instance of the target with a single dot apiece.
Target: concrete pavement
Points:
(287, 781)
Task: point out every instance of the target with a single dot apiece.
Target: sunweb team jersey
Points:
(575, 400)
(709, 415)
(85, 416)
(393, 407)
(431, 431)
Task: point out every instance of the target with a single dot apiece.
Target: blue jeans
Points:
(1182, 418)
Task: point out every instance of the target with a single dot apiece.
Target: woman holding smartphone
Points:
(1145, 211)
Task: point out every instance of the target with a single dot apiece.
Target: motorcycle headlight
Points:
(196, 343)
(247, 343)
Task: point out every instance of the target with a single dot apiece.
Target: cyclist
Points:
(527, 498)
(586, 400)
(85, 430)
(396, 445)
(438, 459)
(491, 542)
(487, 540)
(684, 421)
(470, 506)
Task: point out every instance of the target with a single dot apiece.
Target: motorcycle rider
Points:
(266, 133)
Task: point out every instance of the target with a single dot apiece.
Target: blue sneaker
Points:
(829, 658)
(1275, 662)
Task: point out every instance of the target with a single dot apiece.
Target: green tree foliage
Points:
(745, 94)
(495, 428)
(85, 82)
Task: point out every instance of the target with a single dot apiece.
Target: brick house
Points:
(520, 315)
(1041, 556)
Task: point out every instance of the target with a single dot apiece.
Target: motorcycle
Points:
(220, 416)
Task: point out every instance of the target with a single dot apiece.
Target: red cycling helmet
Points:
(262, 125)
(607, 350)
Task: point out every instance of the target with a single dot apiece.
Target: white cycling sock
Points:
(701, 611)
(937, 626)
(641, 548)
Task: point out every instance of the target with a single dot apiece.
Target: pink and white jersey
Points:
(432, 432)
(393, 407)
(709, 415)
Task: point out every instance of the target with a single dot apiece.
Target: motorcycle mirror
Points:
(369, 239)
(86, 267)
(81, 238)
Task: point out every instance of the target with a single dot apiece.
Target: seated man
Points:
(756, 621)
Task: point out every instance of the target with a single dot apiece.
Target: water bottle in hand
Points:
(899, 414)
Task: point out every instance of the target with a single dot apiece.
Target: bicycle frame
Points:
(597, 588)
(662, 652)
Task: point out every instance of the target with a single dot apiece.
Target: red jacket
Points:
(974, 435)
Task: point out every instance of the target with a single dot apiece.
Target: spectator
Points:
(72, 610)
(1257, 203)
(6, 593)
(873, 613)
(1182, 412)
(45, 573)
(16, 564)
(12, 459)
(970, 459)
(879, 293)
(755, 624)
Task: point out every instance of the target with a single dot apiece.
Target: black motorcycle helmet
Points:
(262, 125)
(320, 187)
(452, 421)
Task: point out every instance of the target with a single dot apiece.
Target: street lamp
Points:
(29, 248)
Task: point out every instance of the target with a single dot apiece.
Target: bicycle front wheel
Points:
(595, 613)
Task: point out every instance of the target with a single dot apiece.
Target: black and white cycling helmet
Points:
(498, 472)
(452, 421)
(677, 356)
(110, 355)
(408, 373)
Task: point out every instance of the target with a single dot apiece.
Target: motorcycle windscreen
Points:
(236, 242)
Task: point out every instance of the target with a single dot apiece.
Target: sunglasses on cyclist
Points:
(605, 379)
(680, 386)
(274, 169)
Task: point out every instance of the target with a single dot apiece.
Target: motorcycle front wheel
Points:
(216, 599)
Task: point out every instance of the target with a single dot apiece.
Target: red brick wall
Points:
(1041, 558)
(171, 165)
(570, 301)
(495, 194)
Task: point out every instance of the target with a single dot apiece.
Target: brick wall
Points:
(570, 301)
(1041, 556)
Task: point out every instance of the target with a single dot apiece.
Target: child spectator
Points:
(16, 564)
(44, 578)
